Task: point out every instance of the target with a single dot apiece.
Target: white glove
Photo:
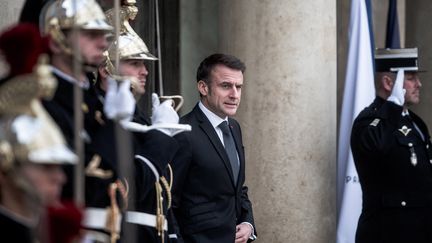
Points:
(164, 114)
(398, 92)
(119, 101)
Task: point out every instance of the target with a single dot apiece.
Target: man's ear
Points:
(103, 72)
(387, 83)
(202, 88)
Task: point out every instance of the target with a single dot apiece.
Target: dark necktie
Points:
(230, 148)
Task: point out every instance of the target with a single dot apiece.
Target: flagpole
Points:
(359, 92)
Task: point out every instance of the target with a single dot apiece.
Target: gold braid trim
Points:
(161, 185)
(160, 217)
(167, 188)
(113, 214)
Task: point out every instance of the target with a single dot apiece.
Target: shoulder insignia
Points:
(375, 122)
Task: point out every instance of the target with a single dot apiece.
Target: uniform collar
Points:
(70, 79)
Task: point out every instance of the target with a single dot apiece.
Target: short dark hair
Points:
(207, 65)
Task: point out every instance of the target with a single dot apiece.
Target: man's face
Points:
(92, 44)
(136, 69)
(412, 86)
(222, 95)
(47, 180)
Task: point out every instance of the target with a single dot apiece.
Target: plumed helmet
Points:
(60, 15)
(66, 14)
(27, 132)
(32, 139)
(129, 45)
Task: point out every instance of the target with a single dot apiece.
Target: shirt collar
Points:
(69, 78)
(214, 119)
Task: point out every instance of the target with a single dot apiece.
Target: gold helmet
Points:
(27, 133)
(129, 45)
(60, 15)
(32, 139)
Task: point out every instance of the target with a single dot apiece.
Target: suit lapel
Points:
(208, 129)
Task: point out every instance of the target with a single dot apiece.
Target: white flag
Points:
(359, 92)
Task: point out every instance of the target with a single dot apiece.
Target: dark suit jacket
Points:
(397, 196)
(207, 204)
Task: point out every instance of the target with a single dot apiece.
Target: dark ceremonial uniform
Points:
(393, 161)
(153, 151)
(15, 230)
(99, 145)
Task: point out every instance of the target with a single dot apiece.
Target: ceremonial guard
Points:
(83, 23)
(154, 146)
(32, 148)
(393, 155)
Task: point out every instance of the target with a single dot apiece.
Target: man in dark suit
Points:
(210, 200)
(392, 153)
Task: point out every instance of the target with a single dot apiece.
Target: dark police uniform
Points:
(393, 161)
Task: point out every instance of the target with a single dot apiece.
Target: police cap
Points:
(391, 60)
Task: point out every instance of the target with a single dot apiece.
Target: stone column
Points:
(288, 113)
(9, 14)
(418, 26)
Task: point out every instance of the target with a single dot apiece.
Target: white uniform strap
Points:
(141, 218)
(149, 164)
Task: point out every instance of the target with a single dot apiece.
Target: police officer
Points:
(392, 153)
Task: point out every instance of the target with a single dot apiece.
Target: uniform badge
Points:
(404, 130)
(375, 122)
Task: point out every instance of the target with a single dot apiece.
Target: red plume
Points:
(21, 45)
(64, 222)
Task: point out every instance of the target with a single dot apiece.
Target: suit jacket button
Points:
(403, 203)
